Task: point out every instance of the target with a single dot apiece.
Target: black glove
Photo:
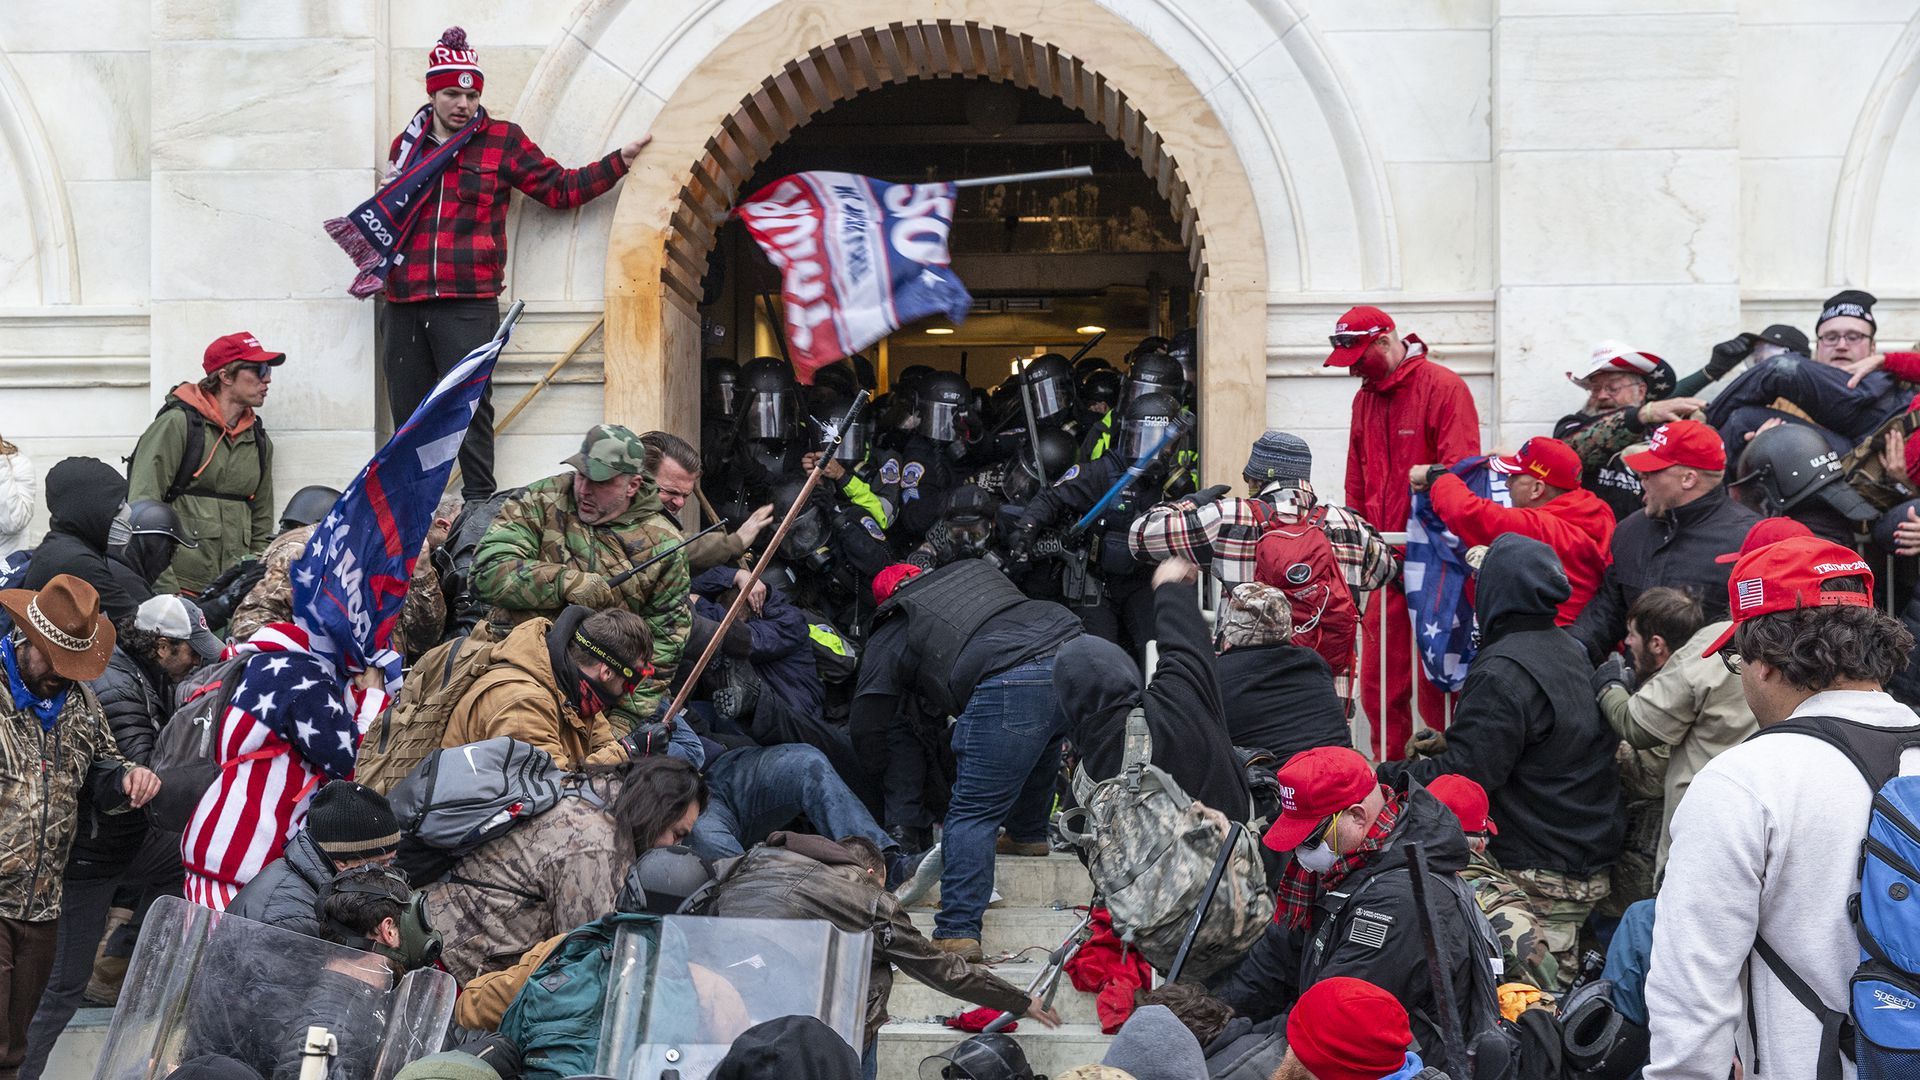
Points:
(500, 1054)
(940, 539)
(1208, 495)
(1612, 673)
(226, 592)
(1728, 354)
(647, 739)
(1020, 544)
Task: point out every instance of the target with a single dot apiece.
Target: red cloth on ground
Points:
(1101, 968)
(975, 1021)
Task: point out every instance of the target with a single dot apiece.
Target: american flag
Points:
(289, 727)
(1436, 576)
(349, 584)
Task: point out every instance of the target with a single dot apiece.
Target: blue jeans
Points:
(1848, 414)
(758, 789)
(1628, 956)
(1006, 746)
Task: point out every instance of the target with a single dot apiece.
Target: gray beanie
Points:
(1279, 456)
(1154, 1045)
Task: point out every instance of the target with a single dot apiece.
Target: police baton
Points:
(760, 565)
(623, 575)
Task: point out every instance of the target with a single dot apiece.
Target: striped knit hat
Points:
(452, 63)
(352, 821)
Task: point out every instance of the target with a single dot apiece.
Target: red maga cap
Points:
(1354, 332)
(1466, 799)
(1549, 459)
(240, 348)
(1681, 442)
(1315, 785)
(1768, 530)
(890, 578)
(1788, 574)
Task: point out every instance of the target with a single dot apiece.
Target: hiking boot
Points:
(923, 877)
(1007, 845)
(912, 837)
(966, 948)
(741, 694)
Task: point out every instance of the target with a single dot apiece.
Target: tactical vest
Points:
(944, 610)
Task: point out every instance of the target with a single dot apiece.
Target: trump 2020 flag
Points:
(350, 582)
(858, 259)
(1436, 579)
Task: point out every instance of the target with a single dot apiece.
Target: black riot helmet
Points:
(944, 399)
(769, 400)
(664, 881)
(1101, 386)
(808, 539)
(1150, 344)
(308, 505)
(1142, 423)
(825, 411)
(1023, 480)
(145, 535)
(1049, 386)
(1155, 373)
(1185, 349)
(983, 1057)
(719, 388)
(1790, 464)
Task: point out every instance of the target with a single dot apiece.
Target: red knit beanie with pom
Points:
(453, 63)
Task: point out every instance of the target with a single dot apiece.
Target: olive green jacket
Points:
(229, 510)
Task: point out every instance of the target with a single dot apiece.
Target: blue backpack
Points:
(555, 1019)
(1880, 1031)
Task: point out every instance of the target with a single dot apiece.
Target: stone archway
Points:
(708, 138)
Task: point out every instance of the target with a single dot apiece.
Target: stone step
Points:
(78, 1049)
(1009, 929)
(913, 1000)
(1024, 881)
(1049, 1052)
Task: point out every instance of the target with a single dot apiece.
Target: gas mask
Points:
(420, 943)
(808, 541)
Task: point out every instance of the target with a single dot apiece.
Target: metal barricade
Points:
(1369, 736)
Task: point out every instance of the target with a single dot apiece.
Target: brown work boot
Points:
(966, 948)
(1007, 845)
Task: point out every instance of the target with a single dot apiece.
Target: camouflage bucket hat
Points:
(1256, 615)
(609, 450)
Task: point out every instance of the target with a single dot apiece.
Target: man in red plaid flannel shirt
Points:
(440, 301)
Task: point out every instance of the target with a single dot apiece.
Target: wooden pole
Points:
(533, 391)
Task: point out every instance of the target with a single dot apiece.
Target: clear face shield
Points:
(940, 420)
(724, 394)
(768, 415)
(1139, 436)
(852, 449)
(1050, 396)
(204, 983)
(680, 993)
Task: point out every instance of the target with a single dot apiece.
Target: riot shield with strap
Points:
(203, 984)
(673, 1009)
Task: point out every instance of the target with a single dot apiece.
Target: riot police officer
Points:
(1791, 471)
(719, 412)
(768, 442)
(918, 474)
(1101, 580)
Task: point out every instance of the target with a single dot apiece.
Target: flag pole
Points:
(760, 565)
(1025, 177)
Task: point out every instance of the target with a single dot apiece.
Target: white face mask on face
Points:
(1317, 859)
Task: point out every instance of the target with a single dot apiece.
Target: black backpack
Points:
(194, 457)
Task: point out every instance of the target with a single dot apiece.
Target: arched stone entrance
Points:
(708, 138)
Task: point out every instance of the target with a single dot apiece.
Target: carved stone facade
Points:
(1513, 179)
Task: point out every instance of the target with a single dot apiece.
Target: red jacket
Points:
(460, 241)
(1578, 526)
(1421, 414)
(1905, 366)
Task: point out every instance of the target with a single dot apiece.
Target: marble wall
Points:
(1513, 178)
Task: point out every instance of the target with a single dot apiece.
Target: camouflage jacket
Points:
(1523, 949)
(1596, 437)
(41, 774)
(521, 564)
(422, 617)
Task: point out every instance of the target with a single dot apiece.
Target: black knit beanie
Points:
(1854, 302)
(352, 821)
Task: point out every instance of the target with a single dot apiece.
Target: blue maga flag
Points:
(350, 582)
(858, 258)
(1436, 579)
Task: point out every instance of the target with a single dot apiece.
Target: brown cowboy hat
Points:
(63, 621)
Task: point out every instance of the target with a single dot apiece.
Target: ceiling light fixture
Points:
(1090, 329)
(939, 329)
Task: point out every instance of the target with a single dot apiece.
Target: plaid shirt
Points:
(457, 247)
(1221, 536)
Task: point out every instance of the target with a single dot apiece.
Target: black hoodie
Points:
(1369, 927)
(1527, 728)
(1280, 698)
(1098, 684)
(83, 495)
(789, 1048)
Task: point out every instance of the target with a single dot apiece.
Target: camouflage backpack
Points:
(405, 734)
(1151, 848)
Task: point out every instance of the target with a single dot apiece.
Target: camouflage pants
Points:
(1563, 902)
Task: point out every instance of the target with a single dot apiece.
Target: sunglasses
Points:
(259, 370)
(1320, 832)
(1351, 338)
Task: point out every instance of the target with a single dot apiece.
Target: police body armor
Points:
(944, 609)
